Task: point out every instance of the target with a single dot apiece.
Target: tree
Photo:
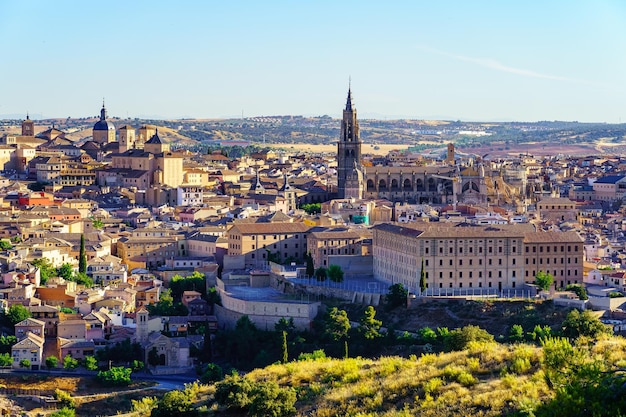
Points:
(65, 398)
(5, 245)
(310, 268)
(268, 399)
(516, 333)
(579, 290)
(24, 363)
(51, 362)
(97, 224)
(82, 257)
(459, 338)
(83, 279)
(320, 273)
(137, 365)
(6, 342)
(91, 363)
(285, 351)
(166, 307)
(423, 284)
(46, 270)
(175, 404)
(544, 280)
(335, 273)
(396, 296)
(312, 208)
(66, 271)
(336, 324)
(17, 313)
(69, 362)
(212, 373)
(5, 359)
(584, 324)
(115, 377)
(153, 357)
(368, 326)
(285, 325)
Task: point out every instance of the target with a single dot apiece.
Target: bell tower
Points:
(348, 152)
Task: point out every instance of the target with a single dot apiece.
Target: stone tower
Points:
(450, 155)
(28, 127)
(289, 194)
(142, 330)
(349, 153)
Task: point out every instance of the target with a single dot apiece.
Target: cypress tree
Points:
(285, 352)
(82, 260)
(423, 285)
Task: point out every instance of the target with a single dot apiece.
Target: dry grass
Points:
(477, 381)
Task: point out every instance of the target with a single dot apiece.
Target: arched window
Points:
(419, 185)
(394, 184)
(407, 184)
(382, 185)
(370, 185)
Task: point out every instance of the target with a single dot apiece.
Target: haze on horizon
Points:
(481, 61)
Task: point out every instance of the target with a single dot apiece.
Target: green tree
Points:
(459, 338)
(310, 268)
(579, 290)
(369, 327)
(66, 271)
(17, 313)
(544, 280)
(211, 373)
(166, 306)
(137, 365)
(234, 392)
(115, 377)
(69, 362)
(335, 273)
(312, 208)
(584, 324)
(336, 324)
(423, 284)
(24, 363)
(174, 404)
(153, 357)
(285, 351)
(82, 257)
(91, 363)
(46, 270)
(396, 296)
(5, 245)
(5, 359)
(320, 273)
(97, 223)
(6, 342)
(52, 362)
(285, 325)
(516, 333)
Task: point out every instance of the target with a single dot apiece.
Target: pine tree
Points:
(82, 259)
(310, 268)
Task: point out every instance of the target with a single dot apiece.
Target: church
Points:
(445, 182)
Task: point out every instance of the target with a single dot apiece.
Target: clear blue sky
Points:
(470, 60)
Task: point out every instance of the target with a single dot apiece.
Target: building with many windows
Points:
(462, 256)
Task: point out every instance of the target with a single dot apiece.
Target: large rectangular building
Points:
(463, 256)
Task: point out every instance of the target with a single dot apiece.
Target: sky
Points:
(467, 60)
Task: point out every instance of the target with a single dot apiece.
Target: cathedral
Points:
(445, 182)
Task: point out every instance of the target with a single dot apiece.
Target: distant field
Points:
(332, 148)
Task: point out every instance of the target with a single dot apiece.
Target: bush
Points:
(63, 412)
(91, 364)
(234, 392)
(615, 294)
(212, 373)
(24, 363)
(173, 404)
(69, 362)
(258, 398)
(459, 338)
(64, 398)
(52, 362)
(316, 355)
(116, 376)
(5, 359)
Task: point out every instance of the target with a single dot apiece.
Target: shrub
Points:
(51, 362)
(212, 373)
(432, 386)
(615, 294)
(5, 359)
(91, 364)
(69, 362)
(459, 338)
(516, 333)
(64, 398)
(466, 379)
(63, 412)
(24, 363)
(314, 356)
(427, 335)
(234, 392)
(144, 406)
(268, 399)
(116, 376)
(173, 404)
(137, 365)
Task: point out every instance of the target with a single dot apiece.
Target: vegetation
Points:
(115, 377)
(396, 296)
(52, 362)
(166, 306)
(5, 245)
(25, 363)
(585, 324)
(321, 273)
(258, 399)
(65, 399)
(90, 363)
(313, 208)
(579, 290)
(335, 273)
(69, 362)
(82, 257)
(17, 313)
(194, 282)
(544, 280)
(310, 268)
(5, 359)
(46, 270)
(6, 342)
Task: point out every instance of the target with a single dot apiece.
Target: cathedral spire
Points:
(103, 111)
(349, 100)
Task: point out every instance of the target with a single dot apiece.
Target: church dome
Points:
(103, 125)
